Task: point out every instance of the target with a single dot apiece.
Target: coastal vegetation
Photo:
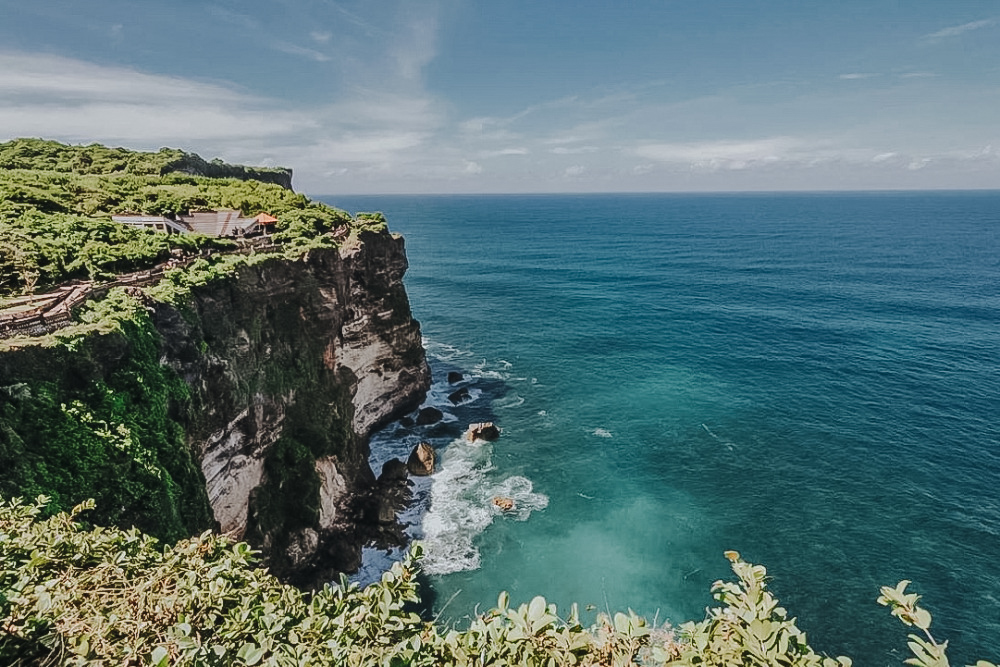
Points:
(56, 203)
(72, 593)
(96, 417)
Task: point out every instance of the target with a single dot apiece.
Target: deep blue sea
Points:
(810, 379)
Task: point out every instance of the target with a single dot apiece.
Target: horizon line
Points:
(659, 192)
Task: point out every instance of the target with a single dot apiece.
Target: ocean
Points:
(812, 380)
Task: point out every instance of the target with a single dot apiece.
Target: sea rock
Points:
(421, 461)
(454, 377)
(428, 416)
(457, 397)
(393, 470)
(504, 503)
(482, 431)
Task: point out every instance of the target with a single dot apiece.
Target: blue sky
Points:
(442, 96)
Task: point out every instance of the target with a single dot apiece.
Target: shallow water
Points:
(812, 380)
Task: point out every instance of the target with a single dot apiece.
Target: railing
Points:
(53, 310)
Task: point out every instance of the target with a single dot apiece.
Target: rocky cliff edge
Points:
(285, 367)
(291, 365)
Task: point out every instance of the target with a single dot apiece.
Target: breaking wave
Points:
(454, 505)
(461, 506)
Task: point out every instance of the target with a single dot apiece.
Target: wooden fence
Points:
(53, 310)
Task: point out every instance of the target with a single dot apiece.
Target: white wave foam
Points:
(602, 433)
(499, 370)
(474, 395)
(511, 401)
(438, 394)
(521, 491)
(461, 506)
(445, 352)
(455, 516)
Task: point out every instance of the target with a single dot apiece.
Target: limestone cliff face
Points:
(291, 365)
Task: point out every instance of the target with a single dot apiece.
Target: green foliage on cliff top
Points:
(92, 419)
(74, 595)
(56, 202)
(45, 155)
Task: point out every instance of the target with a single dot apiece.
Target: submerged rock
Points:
(421, 461)
(457, 397)
(393, 470)
(428, 416)
(482, 431)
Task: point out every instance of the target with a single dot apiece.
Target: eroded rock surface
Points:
(291, 366)
(422, 460)
(482, 431)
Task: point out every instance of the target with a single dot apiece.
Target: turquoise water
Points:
(812, 380)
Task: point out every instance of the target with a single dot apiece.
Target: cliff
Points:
(195, 165)
(247, 405)
(291, 366)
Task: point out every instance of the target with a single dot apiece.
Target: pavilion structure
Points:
(220, 223)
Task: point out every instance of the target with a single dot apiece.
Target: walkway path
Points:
(41, 314)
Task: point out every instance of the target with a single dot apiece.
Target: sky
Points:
(507, 96)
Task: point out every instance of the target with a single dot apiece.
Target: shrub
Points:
(72, 594)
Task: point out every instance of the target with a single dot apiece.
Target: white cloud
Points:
(370, 147)
(415, 46)
(55, 79)
(321, 36)
(858, 75)
(565, 139)
(242, 21)
(481, 124)
(955, 31)
(144, 124)
(579, 150)
(507, 151)
(723, 154)
(297, 50)
(792, 154)
(57, 97)
(473, 167)
(575, 170)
